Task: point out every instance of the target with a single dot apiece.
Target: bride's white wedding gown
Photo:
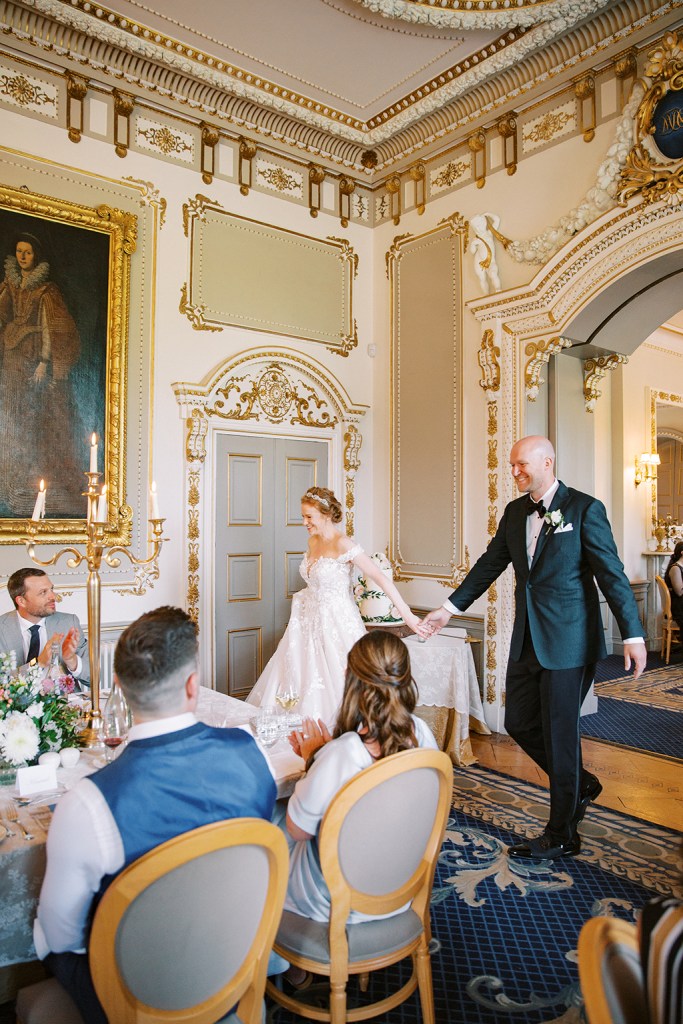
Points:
(323, 627)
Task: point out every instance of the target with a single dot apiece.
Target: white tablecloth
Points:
(443, 669)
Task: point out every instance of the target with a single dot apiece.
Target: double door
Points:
(260, 541)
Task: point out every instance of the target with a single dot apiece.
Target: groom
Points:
(560, 544)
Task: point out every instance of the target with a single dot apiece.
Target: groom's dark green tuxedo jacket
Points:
(557, 595)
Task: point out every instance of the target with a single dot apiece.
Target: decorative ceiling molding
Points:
(458, 13)
(168, 71)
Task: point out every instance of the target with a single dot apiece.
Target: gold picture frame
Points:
(71, 316)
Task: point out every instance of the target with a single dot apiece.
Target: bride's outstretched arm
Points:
(369, 569)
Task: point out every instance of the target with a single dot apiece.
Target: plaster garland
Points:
(504, 16)
(598, 200)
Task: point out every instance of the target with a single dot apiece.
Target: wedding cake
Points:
(373, 603)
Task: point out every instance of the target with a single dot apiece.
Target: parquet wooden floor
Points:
(643, 785)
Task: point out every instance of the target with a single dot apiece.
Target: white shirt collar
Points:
(161, 726)
(25, 624)
(550, 493)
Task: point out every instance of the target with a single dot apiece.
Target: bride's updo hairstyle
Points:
(324, 500)
(379, 693)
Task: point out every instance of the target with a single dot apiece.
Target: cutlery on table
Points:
(10, 813)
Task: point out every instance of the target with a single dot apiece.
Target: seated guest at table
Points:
(375, 719)
(35, 626)
(673, 577)
(174, 775)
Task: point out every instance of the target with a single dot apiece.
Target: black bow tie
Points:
(534, 506)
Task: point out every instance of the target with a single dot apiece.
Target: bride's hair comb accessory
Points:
(316, 497)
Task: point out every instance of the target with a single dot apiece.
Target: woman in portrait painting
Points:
(39, 345)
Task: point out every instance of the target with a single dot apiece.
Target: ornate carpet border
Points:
(628, 847)
(659, 688)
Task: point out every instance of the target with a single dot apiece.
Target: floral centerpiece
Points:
(373, 603)
(35, 714)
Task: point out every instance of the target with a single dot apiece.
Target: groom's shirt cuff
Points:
(634, 640)
(451, 608)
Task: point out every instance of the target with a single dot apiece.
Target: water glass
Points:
(267, 727)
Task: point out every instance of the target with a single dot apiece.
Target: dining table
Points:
(449, 699)
(23, 852)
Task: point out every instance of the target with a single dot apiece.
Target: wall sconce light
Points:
(646, 467)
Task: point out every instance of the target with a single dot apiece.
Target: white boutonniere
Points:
(555, 520)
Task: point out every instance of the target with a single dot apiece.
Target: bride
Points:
(325, 622)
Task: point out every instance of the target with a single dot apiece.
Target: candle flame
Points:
(42, 485)
(93, 439)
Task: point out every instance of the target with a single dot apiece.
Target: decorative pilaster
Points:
(76, 89)
(584, 90)
(245, 157)
(488, 357)
(123, 108)
(507, 129)
(352, 445)
(210, 137)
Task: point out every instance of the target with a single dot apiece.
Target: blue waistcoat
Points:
(165, 785)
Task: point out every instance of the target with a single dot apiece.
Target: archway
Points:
(583, 294)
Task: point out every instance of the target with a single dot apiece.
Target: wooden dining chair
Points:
(669, 625)
(378, 843)
(184, 933)
(610, 972)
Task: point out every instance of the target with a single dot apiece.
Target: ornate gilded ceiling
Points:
(361, 84)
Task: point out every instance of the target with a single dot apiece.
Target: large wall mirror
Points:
(667, 432)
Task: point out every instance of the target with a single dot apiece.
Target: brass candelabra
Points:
(95, 552)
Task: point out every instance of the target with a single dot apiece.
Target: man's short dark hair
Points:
(154, 656)
(16, 584)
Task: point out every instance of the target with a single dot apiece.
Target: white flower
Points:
(554, 519)
(21, 740)
(35, 710)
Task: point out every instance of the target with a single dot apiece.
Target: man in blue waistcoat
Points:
(174, 775)
(560, 544)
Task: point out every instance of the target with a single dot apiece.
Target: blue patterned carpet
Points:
(636, 725)
(505, 934)
(646, 714)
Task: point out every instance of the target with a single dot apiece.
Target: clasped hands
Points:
(69, 644)
(310, 737)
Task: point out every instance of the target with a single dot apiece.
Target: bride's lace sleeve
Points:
(352, 553)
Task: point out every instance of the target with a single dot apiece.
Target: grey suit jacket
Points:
(557, 595)
(59, 622)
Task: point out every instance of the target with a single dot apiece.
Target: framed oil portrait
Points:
(64, 298)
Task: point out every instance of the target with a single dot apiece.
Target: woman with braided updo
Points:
(375, 720)
(325, 621)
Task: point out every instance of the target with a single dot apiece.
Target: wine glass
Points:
(115, 721)
(267, 727)
(288, 699)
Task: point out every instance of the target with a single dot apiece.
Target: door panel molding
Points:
(271, 391)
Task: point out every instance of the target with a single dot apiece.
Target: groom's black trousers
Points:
(542, 708)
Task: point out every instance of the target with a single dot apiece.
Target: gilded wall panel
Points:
(244, 273)
(425, 272)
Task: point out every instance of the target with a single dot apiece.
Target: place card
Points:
(36, 779)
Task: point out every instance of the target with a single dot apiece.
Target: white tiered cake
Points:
(373, 603)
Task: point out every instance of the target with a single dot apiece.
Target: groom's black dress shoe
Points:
(591, 792)
(545, 847)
